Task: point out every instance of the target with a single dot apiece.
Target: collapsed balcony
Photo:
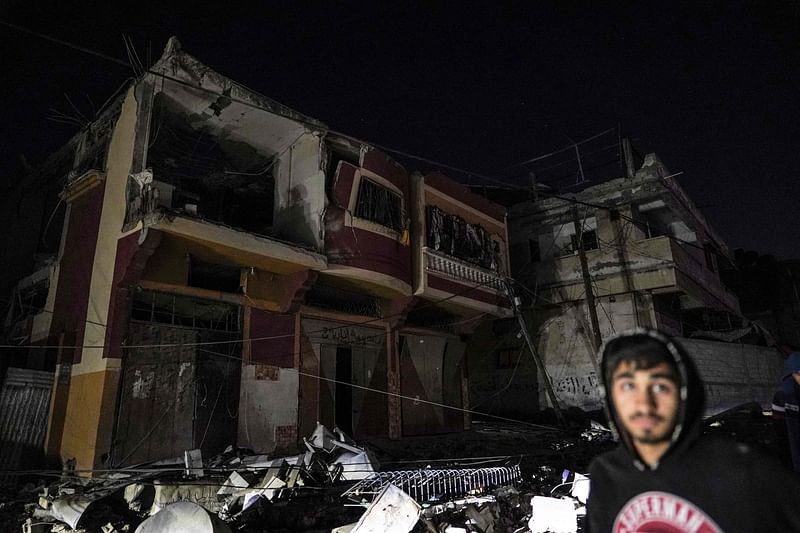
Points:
(199, 170)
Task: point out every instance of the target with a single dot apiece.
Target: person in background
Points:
(665, 475)
(790, 388)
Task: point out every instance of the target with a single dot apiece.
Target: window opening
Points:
(208, 173)
(215, 277)
(507, 357)
(709, 253)
(184, 311)
(337, 154)
(533, 249)
(588, 240)
(343, 300)
(452, 235)
(378, 204)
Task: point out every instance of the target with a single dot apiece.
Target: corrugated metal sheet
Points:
(24, 406)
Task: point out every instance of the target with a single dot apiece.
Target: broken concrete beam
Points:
(321, 438)
(131, 496)
(69, 509)
(552, 515)
(183, 516)
(268, 488)
(355, 466)
(580, 488)
(193, 460)
(233, 484)
(393, 511)
(483, 519)
(203, 494)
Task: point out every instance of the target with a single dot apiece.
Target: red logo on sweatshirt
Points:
(664, 513)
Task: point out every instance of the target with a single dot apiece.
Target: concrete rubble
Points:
(333, 485)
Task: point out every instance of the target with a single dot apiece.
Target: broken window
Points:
(208, 173)
(27, 301)
(566, 242)
(343, 300)
(587, 241)
(176, 310)
(651, 218)
(452, 235)
(507, 357)
(379, 204)
(336, 153)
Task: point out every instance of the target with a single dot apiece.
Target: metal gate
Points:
(24, 408)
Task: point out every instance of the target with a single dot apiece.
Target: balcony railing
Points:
(461, 270)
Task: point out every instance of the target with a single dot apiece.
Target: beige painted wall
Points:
(93, 384)
(265, 404)
(300, 193)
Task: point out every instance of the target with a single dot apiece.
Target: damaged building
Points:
(652, 260)
(230, 272)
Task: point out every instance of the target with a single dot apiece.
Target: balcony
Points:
(461, 271)
(461, 284)
(658, 264)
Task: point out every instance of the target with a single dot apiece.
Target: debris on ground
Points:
(333, 484)
(183, 516)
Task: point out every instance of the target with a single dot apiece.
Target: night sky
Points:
(713, 89)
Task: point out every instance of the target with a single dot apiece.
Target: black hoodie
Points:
(701, 484)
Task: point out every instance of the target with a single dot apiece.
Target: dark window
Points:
(452, 235)
(649, 227)
(710, 253)
(533, 248)
(356, 303)
(588, 239)
(507, 357)
(378, 204)
(225, 278)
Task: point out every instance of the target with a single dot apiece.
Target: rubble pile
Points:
(333, 485)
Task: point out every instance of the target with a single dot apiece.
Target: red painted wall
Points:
(75, 272)
(361, 248)
(387, 168)
(466, 291)
(277, 351)
(118, 311)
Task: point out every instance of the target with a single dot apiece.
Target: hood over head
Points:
(627, 346)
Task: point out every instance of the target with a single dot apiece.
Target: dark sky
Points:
(713, 89)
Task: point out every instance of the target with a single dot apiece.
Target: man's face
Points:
(646, 401)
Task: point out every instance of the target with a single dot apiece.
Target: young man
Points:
(666, 476)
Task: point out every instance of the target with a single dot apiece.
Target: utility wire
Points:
(271, 337)
(568, 147)
(316, 124)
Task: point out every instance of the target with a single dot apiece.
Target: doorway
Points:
(344, 390)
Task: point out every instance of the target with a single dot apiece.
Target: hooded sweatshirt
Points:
(700, 484)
